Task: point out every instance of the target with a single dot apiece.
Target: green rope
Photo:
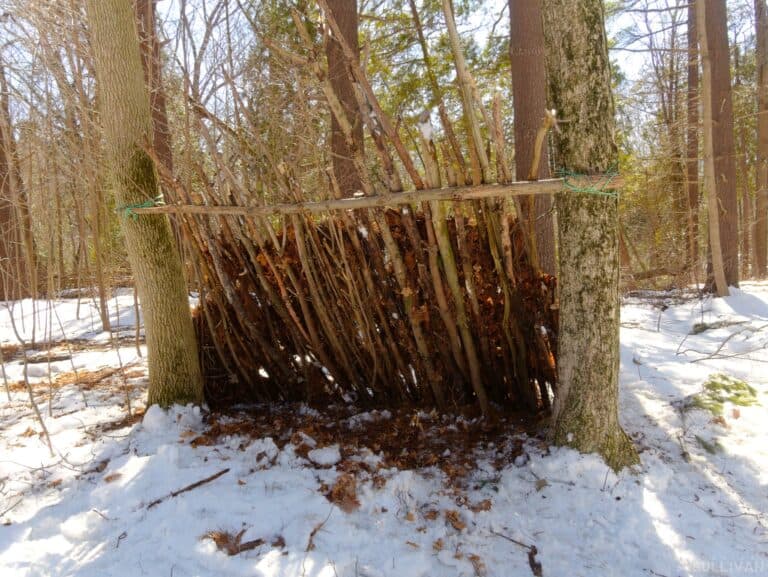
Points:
(127, 210)
(600, 188)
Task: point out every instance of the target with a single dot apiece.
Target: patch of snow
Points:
(326, 457)
(156, 419)
(85, 510)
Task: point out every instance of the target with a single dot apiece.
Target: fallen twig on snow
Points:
(311, 542)
(532, 552)
(12, 507)
(188, 488)
(315, 531)
(715, 353)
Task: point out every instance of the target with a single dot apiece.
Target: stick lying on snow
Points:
(532, 552)
(194, 485)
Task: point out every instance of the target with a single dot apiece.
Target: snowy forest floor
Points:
(289, 491)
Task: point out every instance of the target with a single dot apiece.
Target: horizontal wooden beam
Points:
(461, 193)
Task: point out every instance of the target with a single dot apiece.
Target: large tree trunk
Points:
(586, 402)
(345, 14)
(716, 251)
(529, 89)
(174, 369)
(723, 148)
(761, 211)
(692, 144)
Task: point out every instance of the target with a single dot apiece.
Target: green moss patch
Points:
(720, 389)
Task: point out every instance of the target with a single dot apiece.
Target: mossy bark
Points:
(585, 412)
(174, 369)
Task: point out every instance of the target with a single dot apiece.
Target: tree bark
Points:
(15, 219)
(529, 90)
(174, 369)
(761, 210)
(11, 259)
(150, 55)
(710, 160)
(744, 197)
(723, 147)
(585, 412)
(692, 144)
(345, 14)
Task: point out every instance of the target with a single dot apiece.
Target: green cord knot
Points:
(127, 210)
(600, 187)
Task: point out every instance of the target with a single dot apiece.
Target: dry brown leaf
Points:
(30, 432)
(203, 441)
(438, 545)
(736, 413)
(240, 482)
(412, 544)
(454, 518)
(477, 564)
(410, 516)
(112, 477)
(302, 447)
(224, 541)
(231, 544)
(378, 482)
(431, 514)
(484, 505)
(344, 493)
(99, 467)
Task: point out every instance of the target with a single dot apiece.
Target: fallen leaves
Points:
(344, 493)
(454, 518)
(233, 544)
(230, 543)
(405, 439)
(484, 505)
(477, 564)
(431, 514)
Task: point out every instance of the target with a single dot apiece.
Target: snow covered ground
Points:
(117, 496)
